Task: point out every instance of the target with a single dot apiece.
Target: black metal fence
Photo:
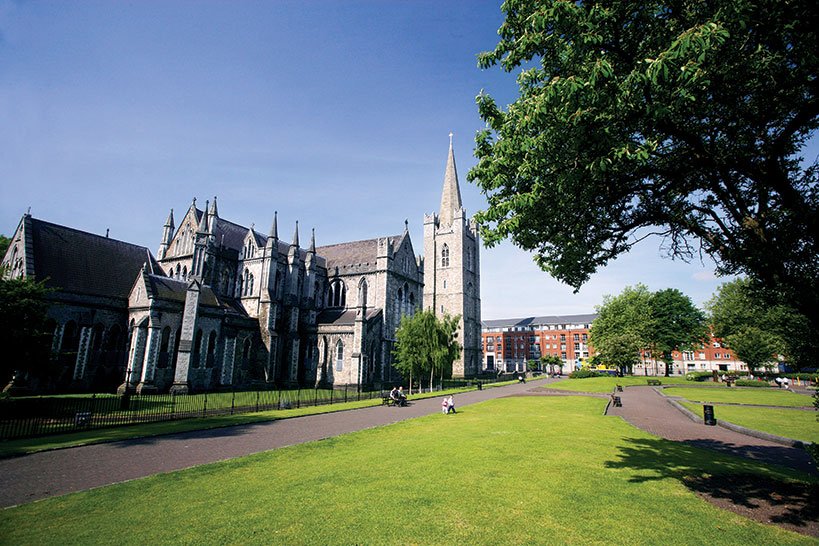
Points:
(30, 416)
(40, 416)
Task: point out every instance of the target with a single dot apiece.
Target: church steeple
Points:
(295, 242)
(451, 195)
(203, 222)
(167, 236)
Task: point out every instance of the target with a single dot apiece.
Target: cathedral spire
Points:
(296, 235)
(212, 211)
(274, 229)
(203, 222)
(169, 221)
(451, 195)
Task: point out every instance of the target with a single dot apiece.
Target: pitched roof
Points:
(353, 253)
(85, 263)
(529, 322)
(170, 289)
(344, 317)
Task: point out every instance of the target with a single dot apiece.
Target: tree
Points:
(532, 365)
(24, 335)
(426, 345)
(552, 362)
(4, 245)
(685, 119)
(676, 324)
(622, 328)
(756, 330)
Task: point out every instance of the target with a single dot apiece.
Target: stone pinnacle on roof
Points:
(169, 221)
(274, 229)
(451, 195)
(313, 241)
(296, 235)
(212, 211)
(203, 222)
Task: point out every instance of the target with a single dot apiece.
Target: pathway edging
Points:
(790, 442)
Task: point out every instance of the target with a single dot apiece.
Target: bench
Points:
(616, 402)
(654, 382)
(387, 401)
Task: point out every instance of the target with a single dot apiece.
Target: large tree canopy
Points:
(685, 119)
(758, 331)
(622, 327)
(24, 334)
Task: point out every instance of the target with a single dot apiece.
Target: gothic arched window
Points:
(339, 356)
(445, 256)
(338, 294)
(362, 293)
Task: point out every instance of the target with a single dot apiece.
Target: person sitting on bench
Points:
(402, 398)
(395, 397)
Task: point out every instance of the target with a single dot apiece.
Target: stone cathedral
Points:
(223, 305)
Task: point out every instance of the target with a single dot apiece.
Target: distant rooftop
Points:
(530, 322)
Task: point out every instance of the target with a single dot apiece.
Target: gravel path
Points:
(647, 409)
(52, 473)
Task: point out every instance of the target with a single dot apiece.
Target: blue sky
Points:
(334, 113)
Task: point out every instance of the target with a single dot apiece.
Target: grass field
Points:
(790, 423)
(606, 384)
(526, 470)
(733, 395)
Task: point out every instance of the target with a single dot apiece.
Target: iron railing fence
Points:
(23, 417)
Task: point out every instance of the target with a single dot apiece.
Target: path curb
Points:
(737, 428)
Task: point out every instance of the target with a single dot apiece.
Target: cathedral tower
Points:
(452, 282)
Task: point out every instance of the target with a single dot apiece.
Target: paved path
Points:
(647, 409)
(51, 473)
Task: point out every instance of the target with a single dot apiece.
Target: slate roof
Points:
(232, 235)
(354, 252)
(169, 289)
(85, 263)
(529, 322)
(343, 317)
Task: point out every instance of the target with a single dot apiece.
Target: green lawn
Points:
(521, 470)
(606, 384)
(790, 423)
(733, 395)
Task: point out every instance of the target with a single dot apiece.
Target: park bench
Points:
(387, 401)
(654, 382)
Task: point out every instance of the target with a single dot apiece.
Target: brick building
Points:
(509, 343)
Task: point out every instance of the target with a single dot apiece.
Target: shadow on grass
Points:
(728, 482)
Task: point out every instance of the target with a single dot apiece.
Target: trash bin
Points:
(480, 386)
(708, 415)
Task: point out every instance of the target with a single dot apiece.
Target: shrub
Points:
(752, 383)
(583, 374)
(698, 376)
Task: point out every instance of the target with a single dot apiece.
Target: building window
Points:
(339, 356)
(338, 293)
(445, 256)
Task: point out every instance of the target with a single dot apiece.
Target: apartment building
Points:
(509, 343)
